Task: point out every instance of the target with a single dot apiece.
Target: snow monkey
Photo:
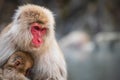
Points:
(16, 67)
(32, 31)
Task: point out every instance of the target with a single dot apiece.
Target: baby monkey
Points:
(17, 67)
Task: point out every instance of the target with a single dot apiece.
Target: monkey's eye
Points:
(43, 29)
(36, 28)
(17, 63)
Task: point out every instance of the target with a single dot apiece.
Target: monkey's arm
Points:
(6, 45)
(1, 75)
(20, 77)
(7, 74)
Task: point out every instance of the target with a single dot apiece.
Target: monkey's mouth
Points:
(37, 32)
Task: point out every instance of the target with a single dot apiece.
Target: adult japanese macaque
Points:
(32, 31)
(17, 67)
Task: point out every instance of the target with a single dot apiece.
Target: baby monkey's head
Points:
(20, 62)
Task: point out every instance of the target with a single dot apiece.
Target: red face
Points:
(37, 32)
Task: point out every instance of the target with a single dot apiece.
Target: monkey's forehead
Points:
(36, 12)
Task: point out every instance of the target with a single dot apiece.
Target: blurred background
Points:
(88, 32)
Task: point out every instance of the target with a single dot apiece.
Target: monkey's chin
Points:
(36, 46)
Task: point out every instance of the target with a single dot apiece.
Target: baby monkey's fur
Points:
(17, 67)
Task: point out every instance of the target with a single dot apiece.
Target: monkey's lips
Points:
(36, 31)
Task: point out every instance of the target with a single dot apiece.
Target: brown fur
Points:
(16, 67)
(49, 63)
